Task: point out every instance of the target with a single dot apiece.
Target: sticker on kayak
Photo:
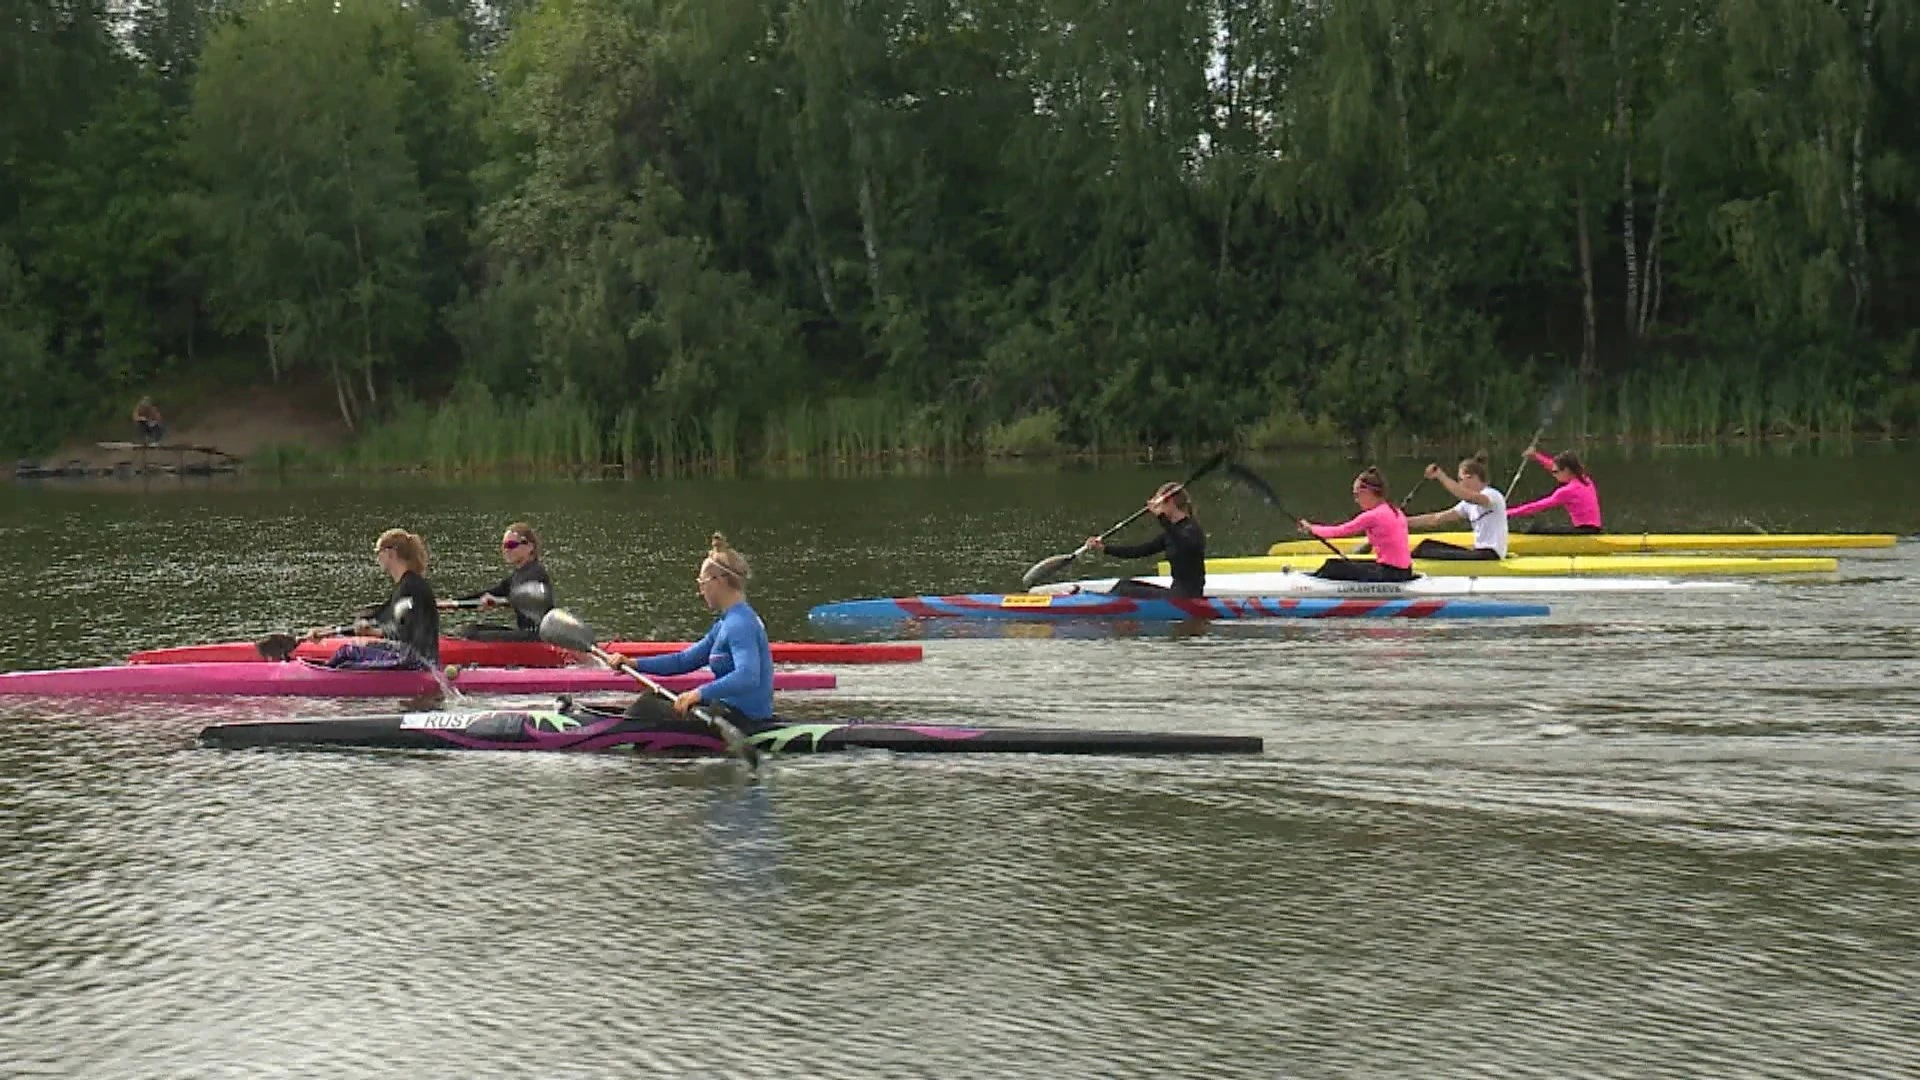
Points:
(437, 721)
(1018, 600)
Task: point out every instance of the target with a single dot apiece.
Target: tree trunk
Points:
(1588, 328)
(869, 210)
(1588, 333)
(1623, 129)
(1650, 287)
(1862, 268)
(340, 394)
(822, 273)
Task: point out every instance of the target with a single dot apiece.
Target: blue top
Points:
(742, 662)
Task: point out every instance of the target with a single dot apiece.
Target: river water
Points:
(1649, 835)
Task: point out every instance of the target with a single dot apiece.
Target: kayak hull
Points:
(1551, 565)
(1627, 543)
(1297, 584)
(300, 679)
(530, 654)
(583, 729)
(1043, 607)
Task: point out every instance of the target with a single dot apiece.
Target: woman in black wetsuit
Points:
(1180, 537)
(521, 548)
(409, 620)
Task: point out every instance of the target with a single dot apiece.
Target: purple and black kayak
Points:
(585, 729)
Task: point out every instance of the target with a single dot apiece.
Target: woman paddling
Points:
(1386, 529)
(1481, 506)
(521, 548)
(1180, 537)
(1576, 493)
(409, 620)
(735, 648)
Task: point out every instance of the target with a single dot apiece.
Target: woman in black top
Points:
(521, 548)
(409, 620)
(1180, 537)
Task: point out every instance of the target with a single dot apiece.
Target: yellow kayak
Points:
(1663, 565)
(1627, 543)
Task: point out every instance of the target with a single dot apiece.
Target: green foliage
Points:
(1035, 433)
(657, 235)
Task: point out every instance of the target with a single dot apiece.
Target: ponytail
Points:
(728, 561)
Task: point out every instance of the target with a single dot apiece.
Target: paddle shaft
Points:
(1546, 421)
(1272, 498)
(1055, 563)
(735, 739)
(1212, 463)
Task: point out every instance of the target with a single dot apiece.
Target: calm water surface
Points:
(1646, 836)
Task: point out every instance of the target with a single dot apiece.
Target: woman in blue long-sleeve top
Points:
(735, 648)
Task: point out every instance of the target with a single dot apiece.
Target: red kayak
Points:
(532, 653)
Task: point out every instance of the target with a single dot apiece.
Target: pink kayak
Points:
(301, 679)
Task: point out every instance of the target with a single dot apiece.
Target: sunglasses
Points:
(512, 542)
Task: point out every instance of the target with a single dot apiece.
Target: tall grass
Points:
(562, 432)
(1705, 400)
(865, 428)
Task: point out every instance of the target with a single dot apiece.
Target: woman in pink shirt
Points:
(1576, 493)
(1386, 529)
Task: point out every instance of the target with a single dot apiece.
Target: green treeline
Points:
(632, 230)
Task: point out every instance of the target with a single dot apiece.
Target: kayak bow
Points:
(583, 728)
(462, 651)
(1626, 543)
(1282, 583)
(301, 679)
(1549, 565)
(1042, 606)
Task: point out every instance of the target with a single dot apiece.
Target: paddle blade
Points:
(559, 627)
(1047, 567)
(277, 646)
(1253, 482)
(532, 599)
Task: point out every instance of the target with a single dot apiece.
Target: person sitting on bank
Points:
(147, 419)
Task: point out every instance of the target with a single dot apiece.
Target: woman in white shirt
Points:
(1480, 506)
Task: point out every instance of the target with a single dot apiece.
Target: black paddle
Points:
(558, 627)
(532, 599)
(1053, 564)
(1549, 411)
(1260, 487)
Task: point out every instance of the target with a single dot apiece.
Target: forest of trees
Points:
(696, 223)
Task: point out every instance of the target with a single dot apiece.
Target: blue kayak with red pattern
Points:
(1034, 607)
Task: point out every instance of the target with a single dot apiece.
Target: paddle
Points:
(1549, 411)
(532, 599)
(1267, 495)
(558, 627)
(1053, 564)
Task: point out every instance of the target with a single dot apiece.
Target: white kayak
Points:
(1290, 583)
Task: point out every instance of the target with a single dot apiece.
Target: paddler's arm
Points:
(1435, 519)
(1353, 526)
(1142, 549)
(498, 593)
(1456, 489)
(1548, 502)
(746, 673)
(1545, 459)
(692, 658)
